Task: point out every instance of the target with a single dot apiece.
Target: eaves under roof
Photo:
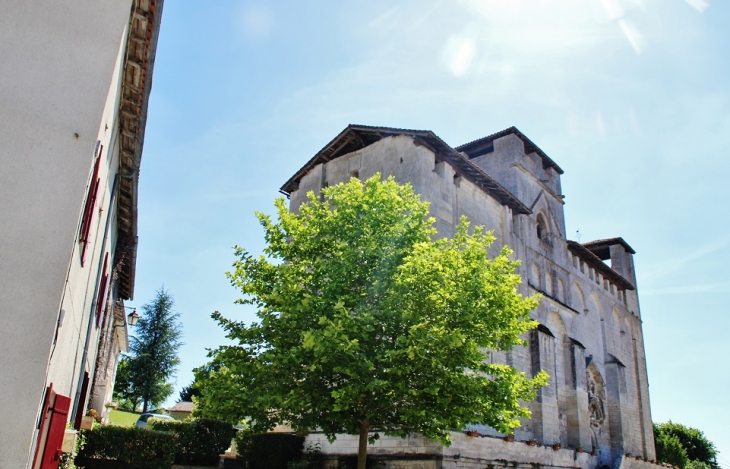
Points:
(594, 261)
(356, 137)
(600, 243)
(144, 28)
(120, 326)
(530, 147)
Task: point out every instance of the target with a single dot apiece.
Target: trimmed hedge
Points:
(110, 447)
(350, 462)
(199, 442)
(269, 450)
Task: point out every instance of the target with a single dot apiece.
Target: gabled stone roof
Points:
(356, 137)
(530, 147)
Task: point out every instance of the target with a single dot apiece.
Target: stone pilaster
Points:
(546, 424)
(579, 433)
(615, 388)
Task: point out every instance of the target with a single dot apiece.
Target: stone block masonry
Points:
(590, 338)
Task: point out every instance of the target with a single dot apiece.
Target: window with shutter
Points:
(90, 204)
(101, 293)
(81, 402)
(42, 424)
(56, 431)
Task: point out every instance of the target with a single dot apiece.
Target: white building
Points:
(75, 78)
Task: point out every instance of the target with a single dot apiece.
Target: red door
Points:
(56, 431)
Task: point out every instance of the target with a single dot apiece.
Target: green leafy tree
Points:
(697, 465)
(669, 450)
(154, 350)
(693, 441)
(124, 392)
(188, 392)
(367, 323)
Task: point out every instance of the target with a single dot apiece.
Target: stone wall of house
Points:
(590, 341)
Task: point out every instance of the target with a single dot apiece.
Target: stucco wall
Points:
(58, 63)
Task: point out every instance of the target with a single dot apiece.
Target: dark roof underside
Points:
(601, 247)
(477, 146)
(356, 137)
(144, 28)
(594, 261)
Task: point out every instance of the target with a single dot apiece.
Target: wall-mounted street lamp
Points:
(133, 317)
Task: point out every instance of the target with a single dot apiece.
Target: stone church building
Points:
(590, 337)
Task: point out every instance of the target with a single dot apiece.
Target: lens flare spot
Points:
(633, 35)
(459, 54)
(699, 5)
(613, 9)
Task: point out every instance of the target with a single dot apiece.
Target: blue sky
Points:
(630, 97)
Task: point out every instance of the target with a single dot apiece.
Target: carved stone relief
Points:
(596, 404)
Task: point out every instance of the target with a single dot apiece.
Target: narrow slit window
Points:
(542, 229)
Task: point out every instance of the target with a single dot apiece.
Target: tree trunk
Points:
(362, 448)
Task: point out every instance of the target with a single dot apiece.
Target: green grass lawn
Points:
(122, 418)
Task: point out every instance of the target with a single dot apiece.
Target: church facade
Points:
(590, 338)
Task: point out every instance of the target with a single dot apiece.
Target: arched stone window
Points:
(562, 378)
(577, 299)
(549, 284)
(535, 275)
(560, 291)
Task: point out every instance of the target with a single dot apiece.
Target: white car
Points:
(142, 420)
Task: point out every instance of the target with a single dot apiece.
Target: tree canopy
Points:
(188, 392)
(124, 392)
(368, 323)
(684, 446)
(193, 389)
(153, 354)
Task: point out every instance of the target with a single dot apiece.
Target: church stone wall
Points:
(590, 340)
(417, 452)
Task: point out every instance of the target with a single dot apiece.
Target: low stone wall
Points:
(417, 452)
(178, 466)
(630, 462)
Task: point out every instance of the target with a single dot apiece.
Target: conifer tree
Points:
(188, 392)
(154, 350)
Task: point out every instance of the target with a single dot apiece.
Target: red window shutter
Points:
(56, 430)
(89, 207)
(44, 416)
(101, 294)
